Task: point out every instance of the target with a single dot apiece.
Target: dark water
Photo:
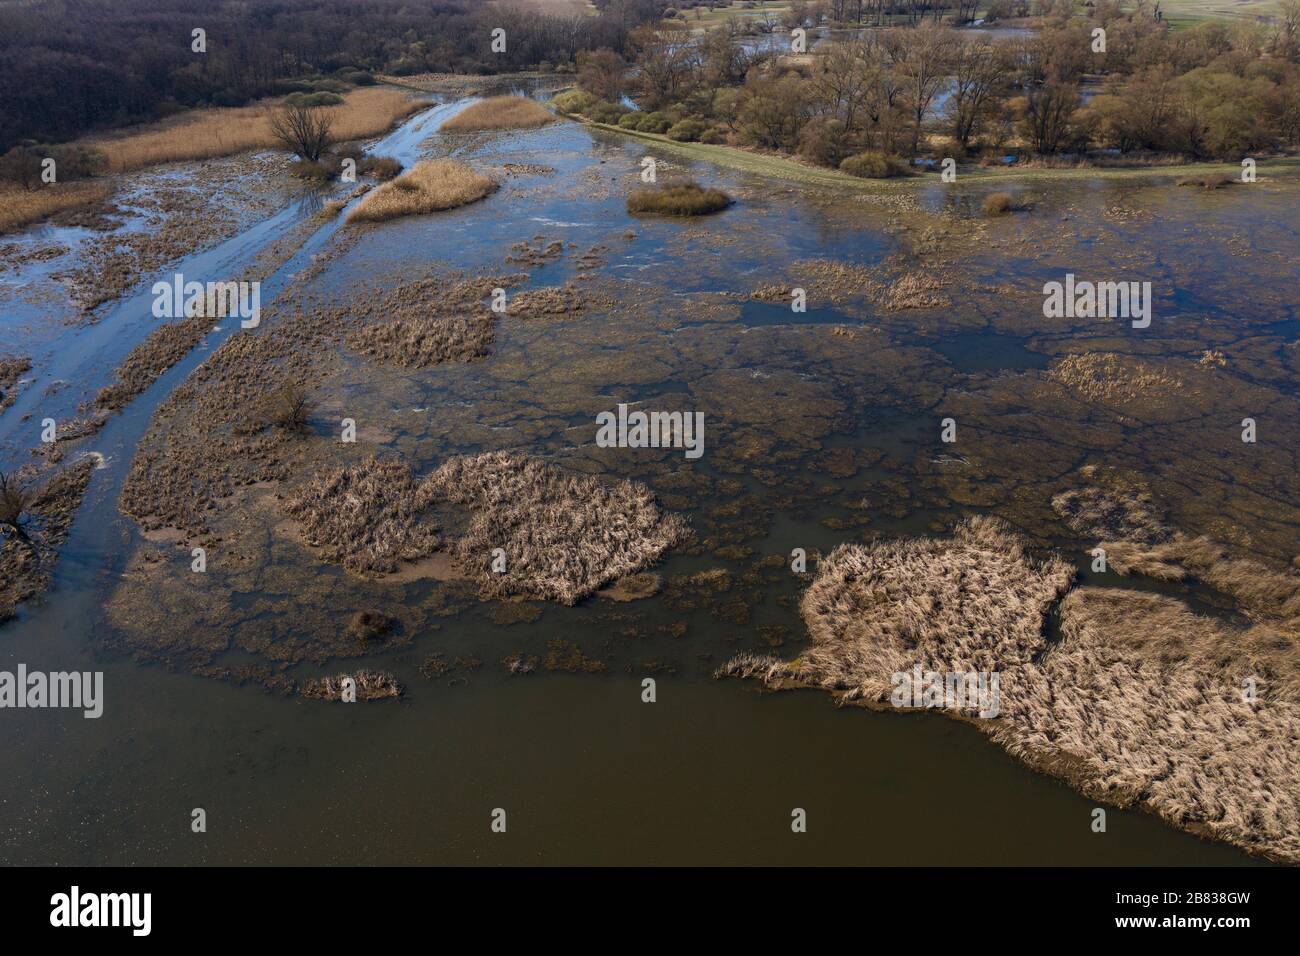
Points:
(586, 771)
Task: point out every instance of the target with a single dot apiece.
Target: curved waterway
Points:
(586, 771)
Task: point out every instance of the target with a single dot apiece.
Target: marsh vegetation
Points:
(465, 527)
(431, 186)
(500, 112)
(677, 199)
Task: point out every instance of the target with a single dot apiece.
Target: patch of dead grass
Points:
(20, 207)
(207, 133)
(431, 186)
(500, 112)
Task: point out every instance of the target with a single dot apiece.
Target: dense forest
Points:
(69, 66)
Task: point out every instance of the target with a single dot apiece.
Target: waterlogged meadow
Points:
(869, 443)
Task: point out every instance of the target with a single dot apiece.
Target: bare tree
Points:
(670, 63)
(979, 72)
(303, 130)
(1049, 108)
(920, 59)
(844, 77)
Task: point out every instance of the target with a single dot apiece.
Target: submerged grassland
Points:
(475, 492)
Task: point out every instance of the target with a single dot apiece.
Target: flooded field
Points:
(821, 427)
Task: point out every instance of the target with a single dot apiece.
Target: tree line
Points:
(1217, 90)
(71, 66)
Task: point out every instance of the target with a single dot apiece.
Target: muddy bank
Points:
(11, 371)
(40, 507)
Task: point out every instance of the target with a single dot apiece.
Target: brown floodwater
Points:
(812, 438)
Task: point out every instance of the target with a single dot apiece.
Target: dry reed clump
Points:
(147, 362)
(20, 207)
(367, 517)
(973, 603)
(426, 342)
(1096, 513)
(1124, 520)
(677, 199)
(1141, 701)
(1264, 592)
(287, 408)
(999, 204)
(1212, 358)
(773, 292)
(525, 253)
(911, 290)
(382, 168)
(500, 112)
(763, 667)
(370, 685)
(207, 133)
(1213, 181)
(370, 624)
(431, 186)
(34, 522)
(426, 322)
(837, 281)
(12, 368)
(565, 535)
(1111, 379)
(1144, 700)
(206, 441)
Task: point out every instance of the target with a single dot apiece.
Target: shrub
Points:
(327, 167)
(999, 204)
(573, 101)
(370, 624)
(406, 66)
(380, 167)
(431, 186)
(629, 120)
(713, 136)
(873, 165)
(604, 112)
(24, 165)
(500, 112)
(653, 123)
(1214, 181)
(677, 199)
(312, 100)
(822, 142)
(21, 165)
(356, 76)
(688, 130)
(15, 501)
(287, 408)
